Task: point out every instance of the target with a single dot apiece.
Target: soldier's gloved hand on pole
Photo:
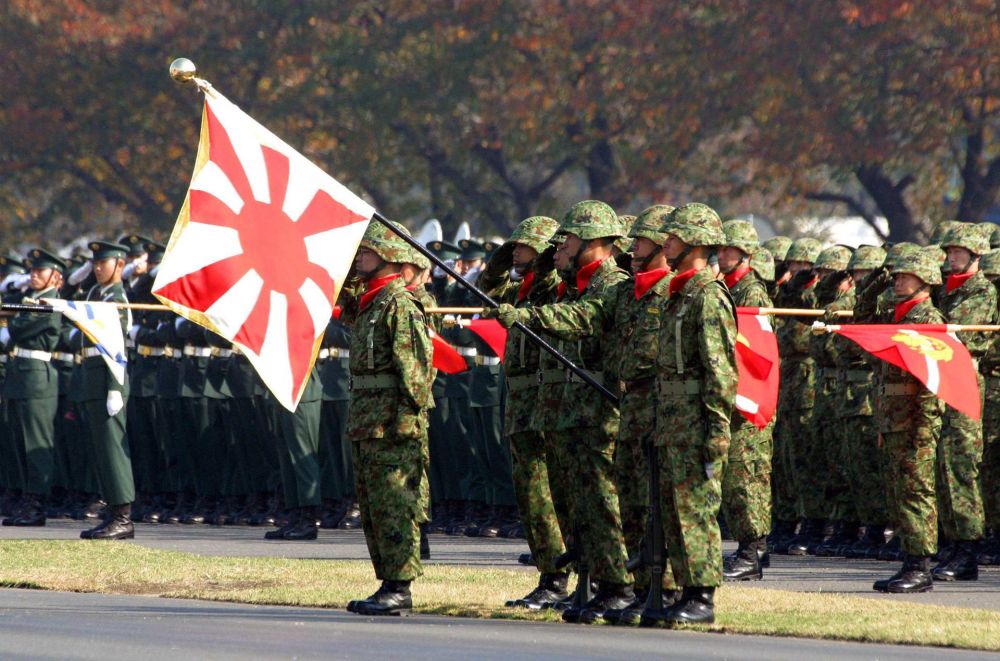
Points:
(545, 262)
(502, 259)
(506, 314)
(114, 403)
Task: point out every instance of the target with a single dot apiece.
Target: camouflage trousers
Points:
(960, 498)
(390, 472)
(690, 504)
(824, 492)
(746, 481)
(535, 500)
(865, 465)
(913, 508)
(991, 454)
(588, 454)
(635, 434)
(788, 477)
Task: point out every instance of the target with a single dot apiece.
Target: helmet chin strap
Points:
(367, 275)
(743, 259)
(675, 263)
(923, 287)
(968, 264)
(649, 258)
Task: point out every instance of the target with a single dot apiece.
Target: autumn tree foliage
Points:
(493, 111)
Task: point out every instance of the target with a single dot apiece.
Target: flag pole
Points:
(819, 328)
(489, 302)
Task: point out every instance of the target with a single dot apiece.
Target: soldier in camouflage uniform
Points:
(796, 400)
(631, 308)
(967, 298)
(828, 499)
(909, 420)
(989, 367)
(588, 425)
(521, 274)
(746, 481)
(696, 385)
(777, 247)
(391, 375)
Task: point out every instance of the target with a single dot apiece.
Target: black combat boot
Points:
(32, 513)
(808, 533)
(696, 606)
(745, 566)
(631, 616)
(610, 596)
(279, 533)
(844, 534)
(352, 517)
(961, 566)
(915, 576)
(891, 550)
(551, 589)
(306, 525)
(118, 526)
(526, 559)
(874, 535)
(393, 598)
(782, 536)
(425, 544)
(824, 533)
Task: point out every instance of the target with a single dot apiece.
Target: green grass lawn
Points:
(116, 568)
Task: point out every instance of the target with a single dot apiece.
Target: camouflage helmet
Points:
(834, 258)
(649, 222)
(989, 263)
(941, 230)
(740, 234)
(592, 219)
(866, 258)
(386, 244)
(805, 249)
(778, 247)
(418, 259)
(624, 243)
(995, 236)
(922, 263)
(534, 232)
(972, 236)
(695, 224)
(898, 250)
(762, 263)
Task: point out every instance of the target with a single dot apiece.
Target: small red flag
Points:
(757, 364)
(446, 358)
(492, 333)
(935, 356)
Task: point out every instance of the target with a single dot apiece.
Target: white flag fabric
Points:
(261, 248)
(100, 323)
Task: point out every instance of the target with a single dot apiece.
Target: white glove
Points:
(22, 281)
(4, 335)
(133, 331)
(128, 271)
(115, 403)
(177, 323)
(73, 333)
(79, 275)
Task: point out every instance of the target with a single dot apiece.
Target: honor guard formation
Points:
(632, 488)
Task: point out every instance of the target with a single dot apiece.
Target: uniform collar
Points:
(647, 280)
(736, 275)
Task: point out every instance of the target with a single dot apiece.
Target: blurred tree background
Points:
(488, 111)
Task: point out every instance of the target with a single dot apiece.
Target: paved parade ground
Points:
(98, 626)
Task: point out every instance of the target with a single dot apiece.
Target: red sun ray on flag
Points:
(261, 247)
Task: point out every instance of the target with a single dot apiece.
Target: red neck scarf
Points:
(584, 275)
(373, 287)
(561, 291)
(680, 280)
(956, 280)
(737, 275)
(903, 308)
(526, 282)
(811, 282)
(644, 281)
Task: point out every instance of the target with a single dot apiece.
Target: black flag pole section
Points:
(482, 296)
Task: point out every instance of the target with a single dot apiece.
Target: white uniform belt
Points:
(172, 352)
(219, 352)
(148, 351)
(466, 351)
(63, 356)
(333, 352)
(199, 352)
(31, 353)
(90, 352)
(3, 358)
(487, 360)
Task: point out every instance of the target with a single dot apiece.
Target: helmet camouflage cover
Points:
(386, 244)
(835, 258)
(974, 237)
(740, 234)
(695, 224)
(534, 232)
(942, 230)
(898, 250)
(624, 243)
(649, 222)
(995, 236)
(592, 219)
(989, 263)
(866, 258)
(922, 263)
(778, 247)
(762, 263)
(805, 249)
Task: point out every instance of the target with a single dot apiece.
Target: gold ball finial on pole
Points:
(183, 70)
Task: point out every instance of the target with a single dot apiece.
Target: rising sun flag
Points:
(757, 364)
(261, 248)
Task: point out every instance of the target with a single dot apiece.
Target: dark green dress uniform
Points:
(218, 397)
(31, 389)
(108, 446)
(333, 364)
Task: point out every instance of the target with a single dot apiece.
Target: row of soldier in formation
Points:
(865, 461)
